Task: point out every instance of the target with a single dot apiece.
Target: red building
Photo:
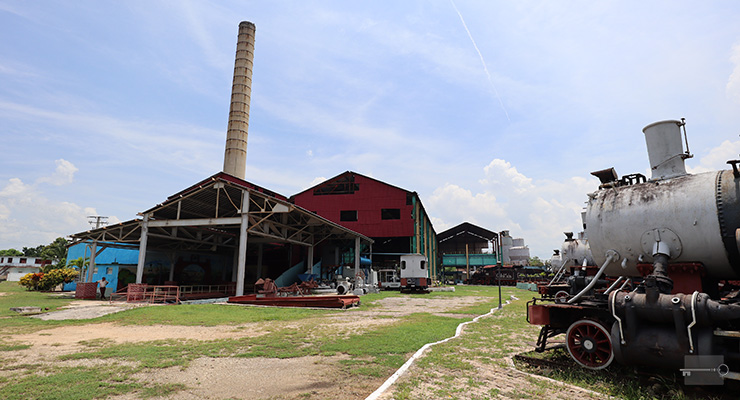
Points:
(393, 217)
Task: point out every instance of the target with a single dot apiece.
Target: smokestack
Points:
(235, 157)
(665, 149)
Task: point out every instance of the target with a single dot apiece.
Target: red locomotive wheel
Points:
(589, 344)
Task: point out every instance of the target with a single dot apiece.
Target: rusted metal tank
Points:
(694, 217)
(576, 251)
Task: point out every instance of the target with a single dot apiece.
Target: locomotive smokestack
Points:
(665, 149)
(235, 157)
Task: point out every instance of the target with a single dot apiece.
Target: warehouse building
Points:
(394, 218)
(465, 248)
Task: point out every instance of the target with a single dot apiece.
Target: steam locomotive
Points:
(667, 253)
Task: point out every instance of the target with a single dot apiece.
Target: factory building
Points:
(222, 231)
(394, 218)
(465, 248)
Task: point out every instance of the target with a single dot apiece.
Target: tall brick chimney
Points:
(235, 157)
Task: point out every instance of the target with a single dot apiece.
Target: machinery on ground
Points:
(665, 293)
(389, 279)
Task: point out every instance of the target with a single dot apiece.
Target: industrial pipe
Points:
(611, 255)
(609, 290)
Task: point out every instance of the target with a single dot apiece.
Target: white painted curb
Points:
(374, 395)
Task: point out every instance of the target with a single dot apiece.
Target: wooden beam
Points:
(196, 222)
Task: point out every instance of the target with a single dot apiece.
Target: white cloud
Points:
(15, 188)
(501, 173)
(716, 158)
(537, 210)
(63, 174)
(30, 218)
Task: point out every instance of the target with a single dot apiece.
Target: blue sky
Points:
(109, 107)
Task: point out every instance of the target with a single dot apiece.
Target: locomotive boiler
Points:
(674, 238)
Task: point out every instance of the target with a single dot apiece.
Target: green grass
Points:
(626, 382)
(13, 346)
(385, 354)
(80, 383)
(182, 315)
(17, 296)
(375, 352)
(488, 341)
(209, 315)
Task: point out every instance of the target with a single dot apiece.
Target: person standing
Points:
(103, 283)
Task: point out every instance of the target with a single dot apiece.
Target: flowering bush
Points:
(31, 281)
(49, 280)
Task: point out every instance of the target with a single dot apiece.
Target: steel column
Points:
(91, 267)
(142, 249)
(240, 273)
(309, 268)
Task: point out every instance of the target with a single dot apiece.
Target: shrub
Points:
(49, 280)
(31, 281)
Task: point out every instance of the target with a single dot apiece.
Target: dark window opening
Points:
(409, 199)
(348, 215)
(342, 185)
(390, 213)
(423, 264)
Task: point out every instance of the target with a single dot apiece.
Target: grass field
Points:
(375, 352)
(451, 370)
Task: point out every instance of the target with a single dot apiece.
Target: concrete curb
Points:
(390, 381)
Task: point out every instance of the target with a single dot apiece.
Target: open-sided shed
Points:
(223, 215)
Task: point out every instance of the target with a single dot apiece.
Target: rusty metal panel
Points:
(539, 314)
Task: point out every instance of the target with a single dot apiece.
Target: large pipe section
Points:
(235, 157)
(665, 149)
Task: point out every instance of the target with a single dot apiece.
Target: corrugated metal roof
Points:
(216, 203)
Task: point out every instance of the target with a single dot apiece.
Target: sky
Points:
(494, 112)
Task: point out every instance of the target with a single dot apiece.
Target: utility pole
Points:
(97, 221)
